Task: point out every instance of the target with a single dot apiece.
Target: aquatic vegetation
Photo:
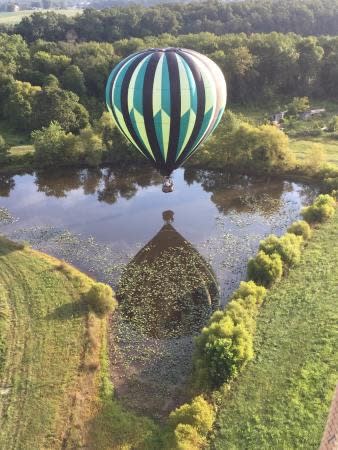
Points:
(6, 217)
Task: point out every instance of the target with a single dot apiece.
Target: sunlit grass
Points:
(43, 348)
(11, 18)
(282, 399)
(20, 150)
(303, 148)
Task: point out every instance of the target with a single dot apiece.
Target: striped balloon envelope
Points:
(166, 102)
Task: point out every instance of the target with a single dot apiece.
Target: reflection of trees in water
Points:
(109, 184)
(168, 289)
(124, 183)
(7, 183)
(240, 193)
(59, 182)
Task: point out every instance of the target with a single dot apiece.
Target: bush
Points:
(321, 210)
(54, 146)
(199, 415)
(249, 289)
(287, 246)
(3, 150)
(223, 348)
(301, 228)
(188, 438)
(265, 269)
(101, 299)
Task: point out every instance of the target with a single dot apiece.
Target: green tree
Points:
(298, 105)
(51, 82)
(91, 146)
(3, 150)
(54, 104)
(53, 146)
(18, 107)
(48, 63)
(73, 80)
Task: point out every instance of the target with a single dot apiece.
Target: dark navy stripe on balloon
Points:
(175, 115)
(148, 109)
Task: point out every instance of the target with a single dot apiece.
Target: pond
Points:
(173, 258)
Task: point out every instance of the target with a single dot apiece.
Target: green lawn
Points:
(11, 18)
(43, 350)
(21, 150)
(282, 399)
(302, 148)
(50, 350)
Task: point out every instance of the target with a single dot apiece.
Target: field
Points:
(282, 399)
(11, 18)
(45, 388)
(302, 148)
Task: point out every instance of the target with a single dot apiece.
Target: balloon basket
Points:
(168, 185)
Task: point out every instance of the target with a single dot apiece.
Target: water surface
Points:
(107, 222)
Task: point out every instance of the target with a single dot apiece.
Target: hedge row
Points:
(225, 345)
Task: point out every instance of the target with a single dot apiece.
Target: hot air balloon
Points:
(166, 102)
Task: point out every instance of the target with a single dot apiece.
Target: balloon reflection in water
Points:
(168, 289)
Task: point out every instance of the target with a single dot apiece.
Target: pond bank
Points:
(47, 390)
(283, 397)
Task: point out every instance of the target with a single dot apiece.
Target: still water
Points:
(173, 258)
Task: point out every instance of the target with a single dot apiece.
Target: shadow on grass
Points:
(68, 311)
(7, 246)
(115, 427)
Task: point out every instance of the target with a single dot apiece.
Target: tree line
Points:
(64, 82)
(305, 17)
(58, 88)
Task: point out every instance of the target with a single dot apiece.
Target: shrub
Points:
(101, 299)
(188, 438)
(265, 269)
(54, 146)
(242, 313)
(249, 289)
(199, 414)
(223, 348)
(3, 150)
(321, 210)
(287, 246)
(301, 228)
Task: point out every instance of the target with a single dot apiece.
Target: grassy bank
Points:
(48, 346)
(282, 399)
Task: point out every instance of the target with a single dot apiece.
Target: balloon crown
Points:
(167, 49)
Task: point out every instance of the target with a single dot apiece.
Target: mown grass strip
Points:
(281, 400)
(46, 372)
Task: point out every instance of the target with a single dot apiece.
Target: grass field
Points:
(46, 390)
(55, 391)
(11, 18)
(302, 148)
(282, 399)
(21, 150)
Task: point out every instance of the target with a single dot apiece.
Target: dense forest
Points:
(305, 17)
(65, 81)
